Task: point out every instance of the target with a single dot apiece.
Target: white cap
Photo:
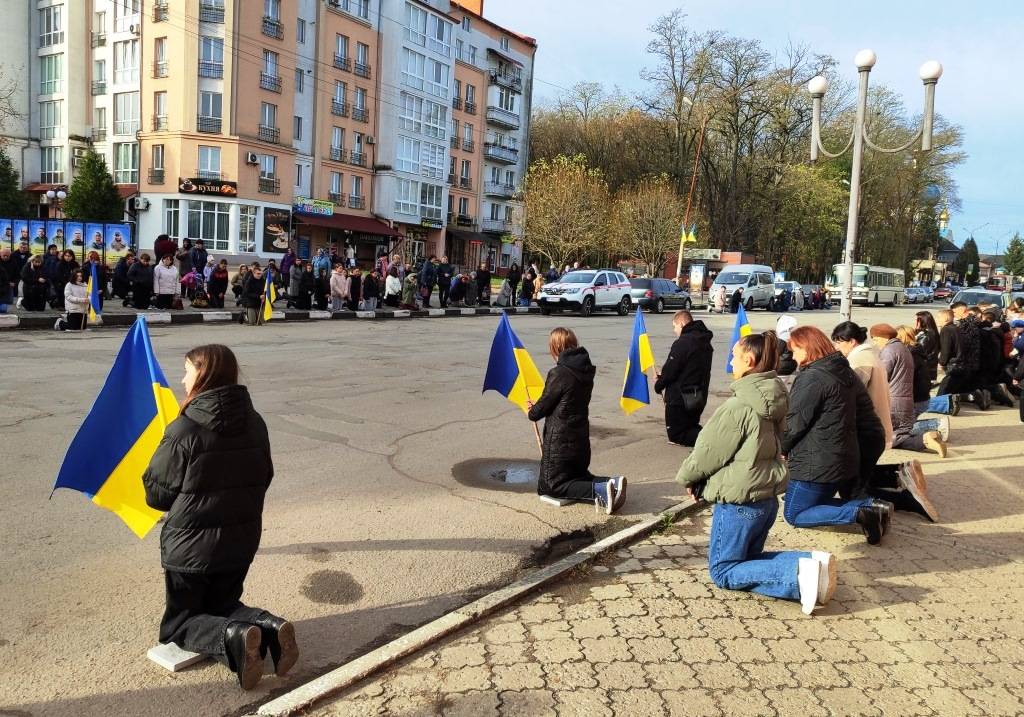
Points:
(784, 325)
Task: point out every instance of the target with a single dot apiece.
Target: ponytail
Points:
(765, 350)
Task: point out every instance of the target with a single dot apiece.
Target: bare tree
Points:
(646, 221)
(8, 109)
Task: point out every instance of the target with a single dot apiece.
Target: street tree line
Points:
(621, 164)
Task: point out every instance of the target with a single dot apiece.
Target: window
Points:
(340, 91)
(297, 128)
(467, 132)
(415, 25)
(471, 59)
(159, 111)
(270, 63)
(298, 175)
(495, 212)
(126, 113)
(360, 8)
(407, 196)
(360, 103)
(171, 223)
(470, 94)
(157, 157)
(126, 163)
(504, 44)
(50, 74)
(411, 113)
(268, 115)
(100, 22)
(510, 178)
(300, 31)
(272, 9)
(336, 180)
(209, 221)
(337, 138)
(451, 171)
(125, 14)
(507, 100)
(451, 203)
(99, 70)
(211, 57)
(126, 62)
(357, 186)
(508, 213)
(268, 166)
(455, 127)
(51, 169)
(465, 23)
(435, 119)
(458, 49)
(49, 119)
(300, 80)
(437, 78)
(412, 68)
(362, 54)
(408, 156)
(466, 170)
(340, 47)
(432, 159)
(439, 33)
(357, 143)
(431, 196)
(210, 104)
(247, 217)
(99, 118)
(51, 30)
(209, 162)
(457, 88)
(495, 175)
(464, 206)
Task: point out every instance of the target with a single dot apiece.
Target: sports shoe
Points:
(827, 575)
(943, 428)
(620, 492)
(56, 325)
(954, 404)
(605, 498)
(869, 518)
(933, 442)
(911, 477)
(808, 576)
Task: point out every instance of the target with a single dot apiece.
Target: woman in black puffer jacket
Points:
(565, 404)
(210, 474)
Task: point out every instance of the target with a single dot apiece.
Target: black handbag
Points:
(693, 399)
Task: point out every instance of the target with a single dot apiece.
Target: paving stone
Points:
(527, 703)
(653, 649)
(563, 649)
(637, 703)
(569, 675)
(605, 649)
(508, 654)
(690, 703)
(582, 703)
(472, 704)
(524, 676)
(621, 676)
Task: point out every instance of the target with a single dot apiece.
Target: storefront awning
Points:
(469, 236)
(348, 222)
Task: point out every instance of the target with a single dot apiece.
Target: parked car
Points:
(927, 294)
(656, 295)
(942, 292)
(911, 295)
(756, 280)
(973, 297)
(587, 291)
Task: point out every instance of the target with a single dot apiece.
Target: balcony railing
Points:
(451, 179)
(160, 11)
(355, 202)
(99, 134)
(506, 79)
(334, 196)
(496, 226)
(499, 153)
(156, 176)
(454, 141)
(99, 87)
(126, 127)
(270, 82)
(211, 13)
(465, 182)
(362, 70)
(456, 103)
(51, 38)
(270, 185)
(470, 107)
(464, 220)
(497, 189)
(503, 117)
(360, 114)
(273, 28)
(160, 68)
(338, 154)
(159, 123)
(269, 134)
(357, 158)
(99, 39)
(213, 174)
(468, 145)
(343, 63)
(208, 124)
(209, 68)
(340, 109)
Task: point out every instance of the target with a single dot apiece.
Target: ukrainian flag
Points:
(510, 370)
(741, 329)
(692, 237)
(118, 438)
(95, 308)
(635, 389)
(269, 296)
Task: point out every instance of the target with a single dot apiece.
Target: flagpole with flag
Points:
(636, 391)
(269, 296)
(93, 292)
(741, 329)
(511, 371)
(120, 434)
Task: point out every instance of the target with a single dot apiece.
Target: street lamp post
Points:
(57, 197)
(930, 73)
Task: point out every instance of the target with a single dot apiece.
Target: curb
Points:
(352, 672)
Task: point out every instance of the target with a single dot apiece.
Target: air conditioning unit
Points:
(370, 139)
(135, 29)
(140, 204)
(77, 161)
(251, 158)
(79, 152)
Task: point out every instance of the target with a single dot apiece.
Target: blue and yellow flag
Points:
(692, 236)
(95, 308)
(635, 389)
(269, 296)
(118, 438)
(510, 370)
(741, 329)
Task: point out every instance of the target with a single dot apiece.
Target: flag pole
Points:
(536, 431)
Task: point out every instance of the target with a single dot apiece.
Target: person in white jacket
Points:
(166, 283)
(76, 301)
(392, 288)
(341, 286)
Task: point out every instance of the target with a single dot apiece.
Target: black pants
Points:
(682, 426)
(140, 295)
(443, 291)
(164, 301)
(199, 608)
(956, 382)
(582, 490)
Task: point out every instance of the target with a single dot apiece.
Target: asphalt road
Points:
(382, 514)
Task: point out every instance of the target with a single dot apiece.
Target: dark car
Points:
(656, 295)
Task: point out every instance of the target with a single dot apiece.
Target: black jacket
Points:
(829, 410)
(787, 364)
(949, 348)
(252, 292)
(922, 378)
(139, 273)
(210, 474)
(970, 343)
(928, 340)
(483, 281)
(370, 287)
(688, 366)
(991, 353)
(565, 403)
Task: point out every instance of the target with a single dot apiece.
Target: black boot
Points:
(1003, 395)
(869, 517)
(887, 508)
(242, 641)
(279, 639)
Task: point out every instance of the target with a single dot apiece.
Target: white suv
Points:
(586, 291)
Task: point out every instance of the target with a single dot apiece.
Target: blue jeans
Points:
(812, 504)
(736, 557)
(923, 425)
(936, 404)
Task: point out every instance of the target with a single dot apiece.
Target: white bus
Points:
(871, 284)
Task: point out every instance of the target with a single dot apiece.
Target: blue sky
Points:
(979, 44)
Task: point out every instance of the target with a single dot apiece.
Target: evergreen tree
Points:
(12, 199)
(966, 264)
(93, 195)
(1013, 260)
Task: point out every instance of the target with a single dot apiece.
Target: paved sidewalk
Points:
(928, 623)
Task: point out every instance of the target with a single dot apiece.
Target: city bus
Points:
(871, 284)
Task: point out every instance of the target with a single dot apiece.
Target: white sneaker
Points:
(808, 573)
(620, 491)
(827, 575)
(943, 428)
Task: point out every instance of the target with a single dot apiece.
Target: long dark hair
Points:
(216, 367)
(926, 322)
(849, 331)
(765, 349)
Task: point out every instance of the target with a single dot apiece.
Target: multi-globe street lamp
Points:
(930, 73)
(57, 198)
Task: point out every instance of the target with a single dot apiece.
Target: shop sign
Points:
(320, 207)
(508, 239)
(208, 186)
(705, 254)
(431, 223)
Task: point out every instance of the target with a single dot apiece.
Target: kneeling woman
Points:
(210, 474)
(565, 404)
(736, 465)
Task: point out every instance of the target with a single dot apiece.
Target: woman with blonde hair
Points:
(565, 406)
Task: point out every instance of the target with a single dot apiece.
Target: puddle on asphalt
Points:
(508, 474)
(332, 587)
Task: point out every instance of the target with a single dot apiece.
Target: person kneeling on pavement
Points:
(736, 466)
(565, 406)
(685, 377)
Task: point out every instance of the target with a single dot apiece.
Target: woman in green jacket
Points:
(736, 465)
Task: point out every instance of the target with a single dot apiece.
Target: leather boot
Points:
(279, 638)
(242, 641)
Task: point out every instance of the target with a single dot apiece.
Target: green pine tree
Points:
(93, 195)
(1013, 260)
(967, 262)
(13, 203)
